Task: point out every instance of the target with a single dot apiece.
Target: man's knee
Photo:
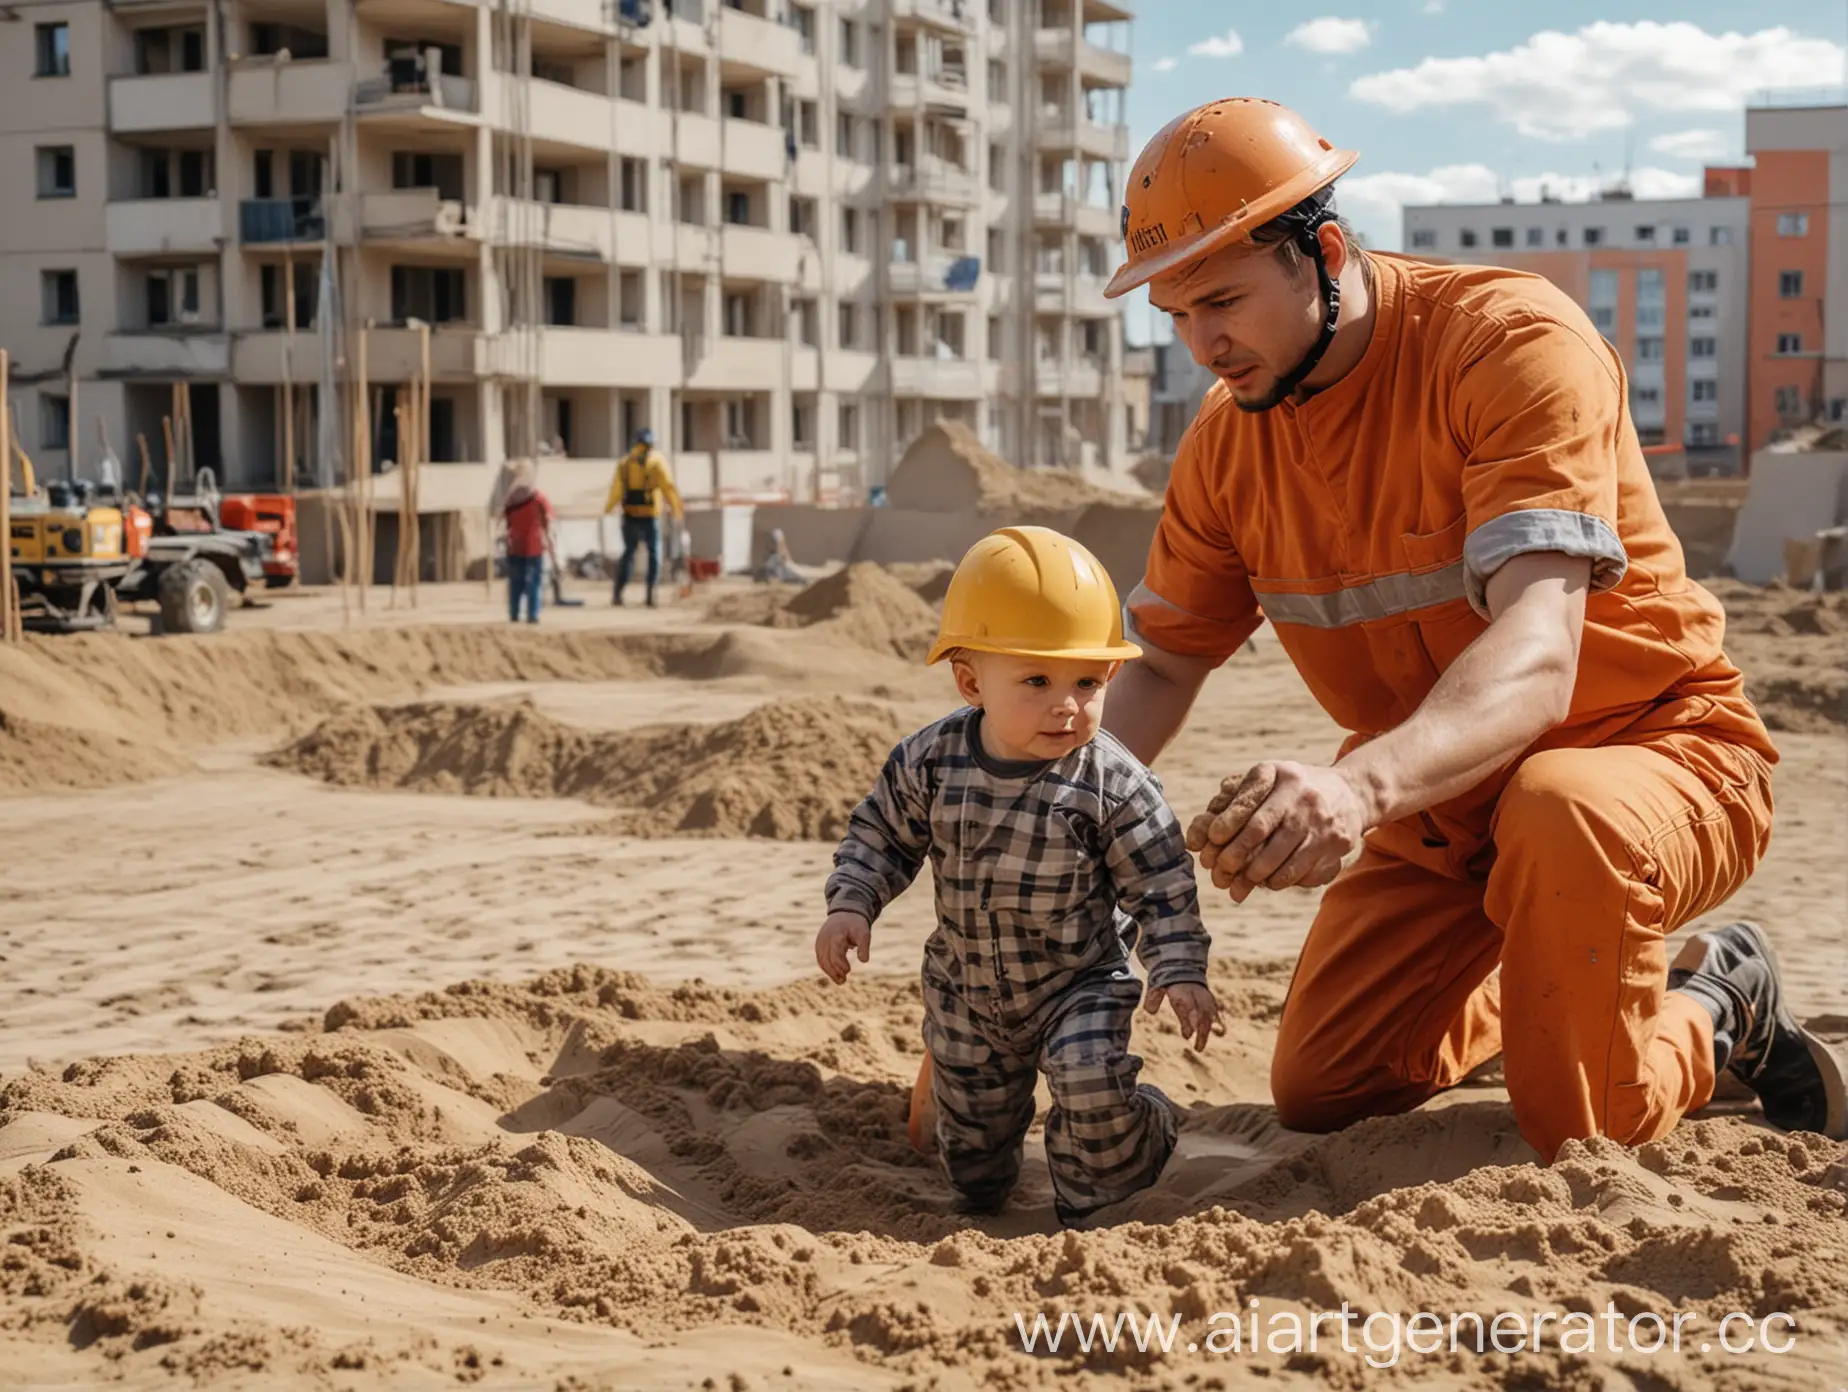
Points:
(1310, 1096)
(1550, 815)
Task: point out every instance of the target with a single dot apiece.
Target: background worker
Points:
(1427, 479)
(642, 478)
(528, 515)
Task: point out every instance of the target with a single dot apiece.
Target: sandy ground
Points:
(317, 1085)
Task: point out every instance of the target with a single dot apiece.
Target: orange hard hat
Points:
(1210, 177)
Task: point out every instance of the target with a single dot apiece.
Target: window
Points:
(1793, 224)
(1645, 396)
(1594, 236)
(1646, 234)
(1561, 236)
(172, 297)
(1651, 284)
(997, 81)
(634, 192)
(1789, 402)
(850, 230)
(1680, 237)
(1604, 319)
(1719, 236)
(1703, 282)
(741, 423)
(737, 105)
(997, 168)
(560, 300)
(1649, 316)
(1536, 236)
(1649, 350)
(739, 320)
(57, 171)
(849, 427)
(1700, 311)
(1424, 238)
(1790, 343)
(1703, 347)
(1703, 433)
(1502, 237)
(1467, 237)
(994, 335)
(1789, 285)
(437, 295)
(631, 304)
(274, 294)
(1604, 288)
(808, 322)
(738, 208)
(58, 297)
(195, 173)
(802, 216)
(850, 44)
(802, 20)
(802, 425)
(1704, 389)
(54, 50)
(808, 125)
(54, 422)
(843, 135)
(849, 326)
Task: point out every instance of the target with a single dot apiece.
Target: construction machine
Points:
(80, 549)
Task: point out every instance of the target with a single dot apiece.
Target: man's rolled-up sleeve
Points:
(1195, 597)
(1543, 411)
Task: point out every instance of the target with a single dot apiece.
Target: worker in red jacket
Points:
(528, 514)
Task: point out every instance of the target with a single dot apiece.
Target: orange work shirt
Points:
(1487, 419)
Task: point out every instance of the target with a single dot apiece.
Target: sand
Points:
(863, 604)
(947, 469)
(359, 1045)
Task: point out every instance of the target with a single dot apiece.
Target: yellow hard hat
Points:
(1032, 592)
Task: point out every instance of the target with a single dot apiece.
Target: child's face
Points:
(1034, 707)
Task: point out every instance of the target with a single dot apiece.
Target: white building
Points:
(783, 236)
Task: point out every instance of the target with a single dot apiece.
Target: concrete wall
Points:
(1794, 496)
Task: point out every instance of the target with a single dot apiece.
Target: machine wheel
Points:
(102, 606)
(193, 598)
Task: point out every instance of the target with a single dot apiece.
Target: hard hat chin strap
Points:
(1330, 292)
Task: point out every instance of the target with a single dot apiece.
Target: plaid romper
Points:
(1044, 873)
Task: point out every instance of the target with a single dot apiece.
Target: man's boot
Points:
(1801, 1081)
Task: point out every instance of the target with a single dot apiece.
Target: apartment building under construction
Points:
(785, 236)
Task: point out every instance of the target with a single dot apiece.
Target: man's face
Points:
(1246, 315)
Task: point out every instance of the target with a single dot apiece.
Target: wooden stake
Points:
(362, 468)
(166, 428)
(288, 372)
(418, 457)
(8, 603)
(400, 551)
(142, 492)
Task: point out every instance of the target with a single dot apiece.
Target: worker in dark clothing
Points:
(642, 478)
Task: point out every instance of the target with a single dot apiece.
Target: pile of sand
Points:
(863, 604)
(1792, 646)
(947, 469)
(91, 710)
(723, 1174)
(790, 770)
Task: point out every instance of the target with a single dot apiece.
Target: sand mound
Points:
(678, 1162)
(1792, 646)
(789, 770)
(92, 710)
(863, 604)
(947, 469)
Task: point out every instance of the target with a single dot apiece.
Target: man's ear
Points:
(968, 686)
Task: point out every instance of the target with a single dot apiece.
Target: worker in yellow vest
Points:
(641, 480)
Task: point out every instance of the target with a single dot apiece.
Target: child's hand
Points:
(841, 931)
(1194, 1007)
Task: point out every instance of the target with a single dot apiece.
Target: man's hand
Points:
(1282, 824)
(1194, 1007)
(842, 930)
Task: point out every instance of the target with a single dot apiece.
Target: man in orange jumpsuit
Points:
(1427, 479)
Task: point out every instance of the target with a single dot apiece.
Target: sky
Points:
(1468, 100)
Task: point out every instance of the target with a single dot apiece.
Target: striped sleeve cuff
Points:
(1501, 539)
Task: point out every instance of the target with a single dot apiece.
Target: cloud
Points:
(1375, 203)
(1434, 6)
(1227, 45)
(1559, 86)
(1692, 144)
(1330, 35)
(1165, 64)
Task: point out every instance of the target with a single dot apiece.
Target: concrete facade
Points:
(785, 237)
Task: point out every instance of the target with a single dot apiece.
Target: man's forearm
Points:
(1503, 692)
(1146, 709)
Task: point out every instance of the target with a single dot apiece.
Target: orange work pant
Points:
(1599, 854)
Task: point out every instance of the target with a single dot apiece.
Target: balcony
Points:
(940, 379)
(1082, 295)
(934, 181)
(698, 143)
(752, 150)
(398, 98)
(939, 276)
(1059, 48)
(568, 229)
(1087, 219)
(748, 43)
(411, 215)
(947, 88)
(312, 93)
(555, 112)
(739, 364)
(163, 226)
(1083, 380)
(1059, 131)
(392, 354)
(194, 352)
(574, 357)
(756, 253)
(161, 102)
(276, 221)
(953, 16)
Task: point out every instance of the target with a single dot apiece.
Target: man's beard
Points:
(1269, 401)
